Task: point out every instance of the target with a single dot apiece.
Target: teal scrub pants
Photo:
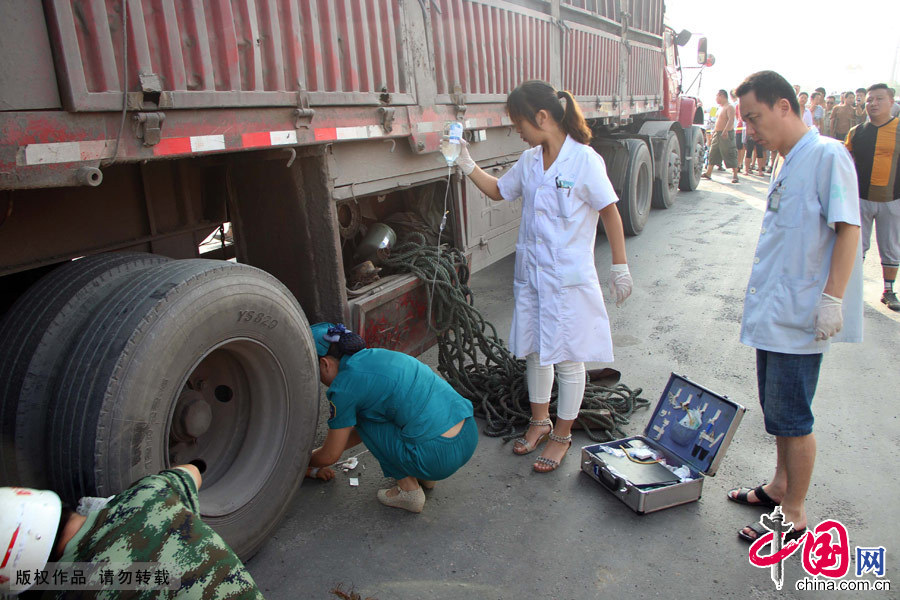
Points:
(434, 459)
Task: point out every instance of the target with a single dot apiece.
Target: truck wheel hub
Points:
(193, 417)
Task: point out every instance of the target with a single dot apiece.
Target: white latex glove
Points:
(829, 318)
(620, 283)
(89, 504)
(464, 160)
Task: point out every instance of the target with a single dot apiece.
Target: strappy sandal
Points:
(741, 496)
(544, 464)
(760, 530)
(522, 443)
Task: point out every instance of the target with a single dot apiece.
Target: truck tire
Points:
(634, 207)
(192, 361)
(665, 187)
(35, 335)
(690, 174)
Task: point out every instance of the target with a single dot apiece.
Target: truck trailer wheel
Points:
(35, 336)
(690, 175)
(666, 185)
(634, 207)
(193, 361)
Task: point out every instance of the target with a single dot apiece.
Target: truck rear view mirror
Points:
(701, 51)
(683, 37)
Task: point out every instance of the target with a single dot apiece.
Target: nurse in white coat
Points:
(560, 318)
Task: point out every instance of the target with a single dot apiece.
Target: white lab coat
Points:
(559, 311)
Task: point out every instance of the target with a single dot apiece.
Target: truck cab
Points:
(687, 110)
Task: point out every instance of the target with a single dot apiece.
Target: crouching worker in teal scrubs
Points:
(412, 421)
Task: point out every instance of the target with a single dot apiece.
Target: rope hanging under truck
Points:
(475, 361)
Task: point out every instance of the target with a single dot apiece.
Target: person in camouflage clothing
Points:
(156, 520)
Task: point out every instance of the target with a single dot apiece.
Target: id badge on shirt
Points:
(775, 198)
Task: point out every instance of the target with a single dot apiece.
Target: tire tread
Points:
(34, 337)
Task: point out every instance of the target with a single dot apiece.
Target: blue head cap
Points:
(319, 331)
(324, 334)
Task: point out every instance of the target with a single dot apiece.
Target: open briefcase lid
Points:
(694, 423)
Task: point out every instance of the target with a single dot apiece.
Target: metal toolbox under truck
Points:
(691, 428)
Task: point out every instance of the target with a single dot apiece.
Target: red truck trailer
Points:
(133, 130)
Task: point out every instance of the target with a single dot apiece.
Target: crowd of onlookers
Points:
(833, 115)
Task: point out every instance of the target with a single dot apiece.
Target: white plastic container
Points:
(451, 141)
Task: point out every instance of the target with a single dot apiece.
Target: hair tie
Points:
(334, 333)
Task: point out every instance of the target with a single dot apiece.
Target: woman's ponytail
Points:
(532, 96)
(573, 121)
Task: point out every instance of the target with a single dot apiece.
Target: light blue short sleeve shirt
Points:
(814, 189)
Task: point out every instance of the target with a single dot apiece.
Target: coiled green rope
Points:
(476, 362)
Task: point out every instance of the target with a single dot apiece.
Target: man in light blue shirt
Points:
(805, 286)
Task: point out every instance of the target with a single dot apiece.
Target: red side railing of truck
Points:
(223, 54)
(224, 76)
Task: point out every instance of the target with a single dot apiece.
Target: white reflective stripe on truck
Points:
(262, 139)
(66, 152)
(63, 152)
(325, 134)
(188, 145)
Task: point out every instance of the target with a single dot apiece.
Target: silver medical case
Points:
(673, 432)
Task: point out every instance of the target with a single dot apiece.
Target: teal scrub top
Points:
(384, 386)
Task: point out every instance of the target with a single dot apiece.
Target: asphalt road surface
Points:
(497, 530)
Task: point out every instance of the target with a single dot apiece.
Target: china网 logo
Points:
(825, 552)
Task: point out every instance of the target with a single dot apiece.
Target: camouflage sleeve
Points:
(157, 520)
(181, 482)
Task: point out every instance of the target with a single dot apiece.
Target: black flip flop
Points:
(760, 530)
(762, 498)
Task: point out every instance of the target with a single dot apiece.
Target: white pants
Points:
(571, 385)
